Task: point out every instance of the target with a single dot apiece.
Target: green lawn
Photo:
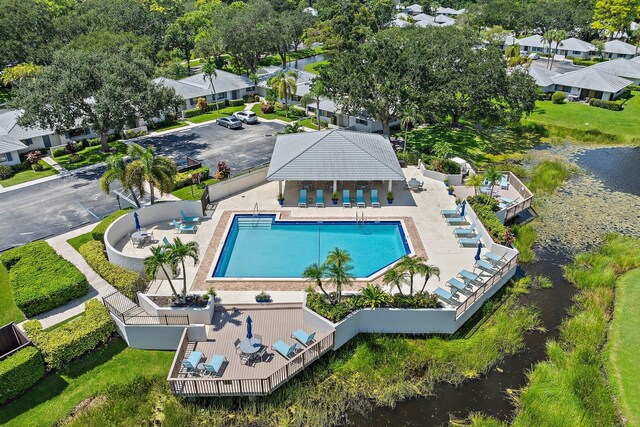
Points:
(164, 127)
(29, 175)
(92, 155)
(309, 123)
(8, 310)
(80, 240)
(279, 114)
(577, 116)
(184, 193)
(213, 115)
(315, 67)
(53, 398)
(623, 358)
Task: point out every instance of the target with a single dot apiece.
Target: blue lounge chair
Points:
(451, 212)
(214, 364)
(456, 220)
(346, 201)
(179, 228)
(374, 199)
(493, 258)
(455, 283)
(302, 203)
(360, 198)
(285, 349)
(445, 296)
(504, 182)
(189, 218)
(465, 232)
(305, 338)
(468, 276)
(485, 266)
(191, 362)
(469, 241)
(319, 199)
(166, 241)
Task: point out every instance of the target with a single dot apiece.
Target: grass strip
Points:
(8, 309)
(29, 175)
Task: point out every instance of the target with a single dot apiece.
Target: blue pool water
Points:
(269, 248)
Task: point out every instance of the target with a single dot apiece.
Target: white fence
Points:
(238, 184)
(157, 337)
(454, 179)
(196, 315)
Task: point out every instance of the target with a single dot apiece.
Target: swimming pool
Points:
(266, 248)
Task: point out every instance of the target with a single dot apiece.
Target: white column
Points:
(390, 185)
(335, 186)
(280, 187)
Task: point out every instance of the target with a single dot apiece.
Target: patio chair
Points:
(285, 349)
(191, 362)
(449, 297)
(375, 203)
(458, 285)
(504, 182)
(485, 266)
(245, 358)
(319, 199)
(302, 202)
(451, 212)
(469, 241)
(360, 198)
(465, 232)
(186, 218)
(258, 337)
(346, 201)
(214, 364)
(166, 241)
(179, 228)
(305, 338)
(468, 276)
(494, 259)
(456, 220)
(236, 343)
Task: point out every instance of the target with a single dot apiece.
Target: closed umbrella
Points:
(464, 203)
(249, 334)
(477, 257)
(135, 217)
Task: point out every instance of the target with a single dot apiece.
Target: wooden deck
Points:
(256, 378)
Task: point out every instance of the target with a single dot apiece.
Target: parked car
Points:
(534, 56)
(230, 122)
(248, 117)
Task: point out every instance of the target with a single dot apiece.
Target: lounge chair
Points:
(374, 199)
(465, 232)
(191, 362)
(445, 296)
(360, 198)
(346, 201)
(213, 365)
(456, 220)
(166, 241)
(305, 338)
(468, 276)
(189, 218)
(451, 212)
(236, 344)
(485, 266)
(469, 241)
(458, 285)
(319, 199)
(285, 349)
(504, 182)
(302, 203)
(493, 258)
(179, 228)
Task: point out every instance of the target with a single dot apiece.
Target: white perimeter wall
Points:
(454, 179)
(157, 337)
(237, 184)
(197, 316)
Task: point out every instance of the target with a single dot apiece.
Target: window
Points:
(562, 88)
(222, 95)
(192, 102)
(28, 141)
(3, 158)
(362, 122)
(576, 52)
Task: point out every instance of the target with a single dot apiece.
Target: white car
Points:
(248, 117)
(534, 56)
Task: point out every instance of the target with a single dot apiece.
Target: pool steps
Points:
(261, 223)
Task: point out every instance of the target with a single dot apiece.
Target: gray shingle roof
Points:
(531, 41)
(576, 45)
(9, 127)
(618, 46)
(620, 67)
(591, 78)
(541, 75)
(9, 144)
(195, 86)
(333, 155)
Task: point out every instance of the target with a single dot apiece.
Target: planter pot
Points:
(335, 202)
(451, 193)
(390, 201)
(281, 202)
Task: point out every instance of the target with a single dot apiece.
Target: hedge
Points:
(558, 97)
(73, 339)
(607, 105)
(98, 230)
(499, 232)
(236, 102)
(192, 112)
(41, 279)
(183, 179)
(19, 372)
(126, 281)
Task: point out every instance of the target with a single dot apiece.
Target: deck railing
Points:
(203, 386)
(130, 313)
(525, 203)
(488, 283)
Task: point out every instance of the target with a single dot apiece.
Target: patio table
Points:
(250, 346)
(140, 237)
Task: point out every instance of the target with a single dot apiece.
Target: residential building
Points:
(543, 77)
(622, 68)
(576, 48)
(423, 17)
(414, 9)
(590, 82)
(444, 20)
(447, 11)
(534, 43)
(619, 49)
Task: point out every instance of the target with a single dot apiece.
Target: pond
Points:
(618, 168)
(300, 63)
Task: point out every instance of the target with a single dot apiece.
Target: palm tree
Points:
(159, 258)
(316, 91)
(158, 171)
(179, 252)
(474, 181)
(116, 168)
(284, 85)
(548, 38)
(493, 177)
(410, 267)
(558, 36)
(427, 271)
(316, 273)
(410, 116)
(338, 264)
(210, 73)
(293, 128)
(393, 277)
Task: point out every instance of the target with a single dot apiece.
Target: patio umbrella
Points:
(249, 334)
(477, 257)
(135, 217)
(464, 203)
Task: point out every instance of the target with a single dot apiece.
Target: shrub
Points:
(484, 199)
(183, 179)
(73, 339)
(125, 281)
(236, 102)
(607, 105)
(41, 279)
(19, 372)
(21, 167)
(98, 231)
(267, 108)
(222, 171)
(128, 134)
(170, 117)
(202, 104)
(192, 112)
(557, 97)
(5, 172)
(92, 142)
(410, 158)
(33, 157)
(37, 167)
(499, 233)
(72, 147)
(263, 297)
(633, 87)
(74, 158)
(59, 151)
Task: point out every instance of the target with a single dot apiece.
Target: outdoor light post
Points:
(118, 200)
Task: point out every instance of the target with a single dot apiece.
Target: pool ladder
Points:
(360, 220)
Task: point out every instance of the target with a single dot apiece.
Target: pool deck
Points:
(430, 235)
